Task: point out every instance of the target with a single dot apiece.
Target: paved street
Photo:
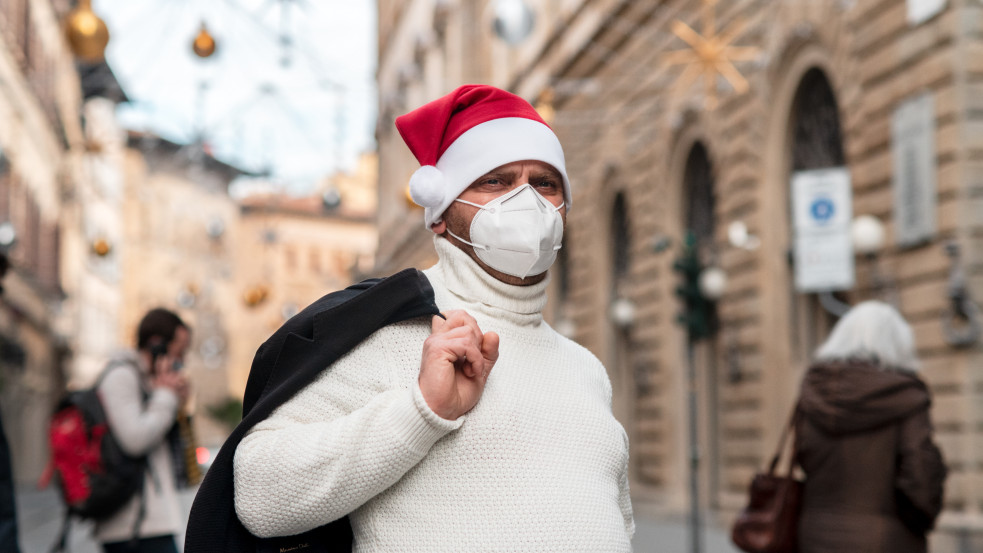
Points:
(40, 519)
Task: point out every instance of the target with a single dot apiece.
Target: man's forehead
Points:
(534, 165)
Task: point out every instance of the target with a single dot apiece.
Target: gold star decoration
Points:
(710, 53)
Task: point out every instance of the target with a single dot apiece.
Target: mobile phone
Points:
(156, 351)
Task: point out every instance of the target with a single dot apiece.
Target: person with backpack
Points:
(476, 427)
(141, 392)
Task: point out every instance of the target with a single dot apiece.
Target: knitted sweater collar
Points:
(466, 280)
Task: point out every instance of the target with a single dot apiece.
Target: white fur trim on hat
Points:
(489, 145)
(427, 186)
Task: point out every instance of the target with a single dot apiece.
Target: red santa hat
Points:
(465, 134)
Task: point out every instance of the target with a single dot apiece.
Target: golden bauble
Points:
(204, 44)
(408, 197)
(87, 35)
(101, 247)
(255, 295)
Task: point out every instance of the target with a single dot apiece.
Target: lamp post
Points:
(867, 237)
(701, 287)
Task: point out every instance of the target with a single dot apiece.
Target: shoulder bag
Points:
(769, 523)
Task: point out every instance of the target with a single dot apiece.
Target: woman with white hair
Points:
(864, 439)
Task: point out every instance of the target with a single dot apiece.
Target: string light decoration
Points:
(710, 54)
(86, 33)
(204, 44)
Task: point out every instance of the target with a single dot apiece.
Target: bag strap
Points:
(61, 543)
(141, 514)
(790, 427)
(114, 363)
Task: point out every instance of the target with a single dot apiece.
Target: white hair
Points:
(872, 331)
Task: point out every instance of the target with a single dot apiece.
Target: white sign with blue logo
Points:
(821, 213)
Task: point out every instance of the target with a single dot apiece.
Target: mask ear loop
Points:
(472, 244)
(479, 206)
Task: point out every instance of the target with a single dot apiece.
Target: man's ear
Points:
(439, 227)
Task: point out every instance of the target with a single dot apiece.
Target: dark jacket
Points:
(8, 511)
(289, 360)
(873, 476)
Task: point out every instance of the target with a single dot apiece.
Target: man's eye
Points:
(546, 184)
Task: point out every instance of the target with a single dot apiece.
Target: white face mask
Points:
(517, 233)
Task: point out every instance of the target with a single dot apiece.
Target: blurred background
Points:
(743, 171)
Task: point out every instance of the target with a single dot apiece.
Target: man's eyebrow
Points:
(551, 173)
(500, 173)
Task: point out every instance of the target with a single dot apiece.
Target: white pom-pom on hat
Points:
(427, 186)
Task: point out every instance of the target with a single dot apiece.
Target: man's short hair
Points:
(160, 323)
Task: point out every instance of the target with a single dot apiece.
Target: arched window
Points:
(816, 144)
(624, 381)
(699, 205)
(619, 242)
(817, 141)
(699, 221)
(698, 194)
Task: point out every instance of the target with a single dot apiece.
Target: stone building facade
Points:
(41, 151)
(234, 268)
(308, 246)
(887, 92)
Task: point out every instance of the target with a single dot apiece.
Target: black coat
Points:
(289, 360)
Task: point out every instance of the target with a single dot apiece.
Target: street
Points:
(40, 517)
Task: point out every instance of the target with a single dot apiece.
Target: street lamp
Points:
(8, 236)
(622, 313)
(962, 322)
(513, 20)
(713, 283)
(867, 235)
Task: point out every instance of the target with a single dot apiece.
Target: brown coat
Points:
(873, 476)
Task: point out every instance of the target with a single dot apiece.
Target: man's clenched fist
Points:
(457, 359)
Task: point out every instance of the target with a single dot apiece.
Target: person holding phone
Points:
(479, 429)
(141, 392)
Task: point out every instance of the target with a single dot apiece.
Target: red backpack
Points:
(96, 478)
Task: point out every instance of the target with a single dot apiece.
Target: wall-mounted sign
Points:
(913, 153)
(923, 10)
(822, 209)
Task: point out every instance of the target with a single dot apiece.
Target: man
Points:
(482, 429)
(141, 392)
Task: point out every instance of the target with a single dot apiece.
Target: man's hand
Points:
(166, 377)
(457, 359)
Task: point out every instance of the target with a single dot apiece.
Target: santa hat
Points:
(465, 134)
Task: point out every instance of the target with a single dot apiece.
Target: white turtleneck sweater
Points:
(540, 463)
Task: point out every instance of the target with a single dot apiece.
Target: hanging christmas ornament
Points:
(255, 295)
(544, 106)
(204, 44)
(87, 35)
(101, 247)
(408, 197)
